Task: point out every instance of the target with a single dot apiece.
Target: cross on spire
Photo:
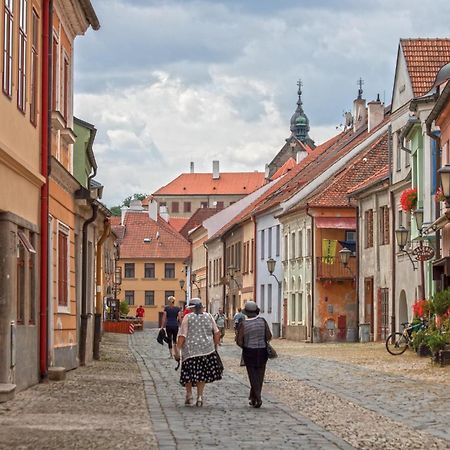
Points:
(360, 83)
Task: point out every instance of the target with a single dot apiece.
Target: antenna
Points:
(360, 83)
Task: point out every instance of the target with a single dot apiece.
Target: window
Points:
(168, 294)
(262, 244)
(300, 307)
(369, 228)
(169, 270)
(277, 239)
(65, 88)
(252, 254)
(300, 244)
(219, 205)
(269, 298)
(8, 47)
(269, 243)
(55, 70)
(187, 207)
(238, 256)
(34, 68)
(129, 297)
(384, 225)
(293, 309)
(149, 270)
(203, 204)
(286, 247)
(293, 249)
(175, 207)
(129, 270)
(210, 274)
(162, 204)
(262, 300)
(20, 283)
(308, 242)
(149, 298)
(398, 152)
(350, 236)
(63, 267)
(407, 159)
(244, 257)
(22, 65)
(384, 312)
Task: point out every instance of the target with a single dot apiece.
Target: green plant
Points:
(436, 340)
(124, 308)
(441, 302)
(418, 338)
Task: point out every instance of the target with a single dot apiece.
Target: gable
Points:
(402, 91)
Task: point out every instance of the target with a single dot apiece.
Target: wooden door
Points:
(368, 303)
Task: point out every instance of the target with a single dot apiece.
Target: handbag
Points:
(271, 352)
(219, 361)
(162, 336)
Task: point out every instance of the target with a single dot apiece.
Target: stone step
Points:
(56, 373)
(7, 392)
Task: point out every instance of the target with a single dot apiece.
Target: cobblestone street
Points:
(315, 397)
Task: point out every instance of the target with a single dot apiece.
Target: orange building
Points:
(152, 258)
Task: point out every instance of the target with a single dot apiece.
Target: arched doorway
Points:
(402, 308)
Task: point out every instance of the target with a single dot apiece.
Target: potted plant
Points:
(408, 199)
(124, 308)
(440, 305)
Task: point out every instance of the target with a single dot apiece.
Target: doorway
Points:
(368, 303)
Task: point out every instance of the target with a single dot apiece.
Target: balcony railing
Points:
(331, 268)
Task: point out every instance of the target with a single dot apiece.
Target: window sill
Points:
(150, 306)
(130, 278)
(149, 279)
(169, 279)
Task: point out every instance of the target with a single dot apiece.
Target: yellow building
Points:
(152, 257)
(20, 185)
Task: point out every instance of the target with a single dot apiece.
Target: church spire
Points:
(300, 121)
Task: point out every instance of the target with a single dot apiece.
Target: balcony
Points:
(331, 268)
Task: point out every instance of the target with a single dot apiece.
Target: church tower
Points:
(300, 121)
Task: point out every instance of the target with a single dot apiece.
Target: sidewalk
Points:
(101, 406)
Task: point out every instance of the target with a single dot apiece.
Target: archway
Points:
(402, 308)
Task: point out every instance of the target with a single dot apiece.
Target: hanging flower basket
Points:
(439, 196)
(408, 199)
(421, 308)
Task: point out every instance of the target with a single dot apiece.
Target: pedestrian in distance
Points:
(171, 321)
(237, 319)
(220, 319)
(253, 337)
(140, 312)
(197, 342)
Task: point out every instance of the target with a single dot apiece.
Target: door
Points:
(368, 303)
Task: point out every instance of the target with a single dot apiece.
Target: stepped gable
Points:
(228, 183)
(380, 175)
(165, 241)
(424, 58)
(197, 219)
(362, 167)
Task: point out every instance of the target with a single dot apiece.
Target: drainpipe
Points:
(84, 274)
(437, 140)
(224, 273)
(207, 276)
(98, 293)
(47, 12)
(313, 282)
(393, 261)
(357, 269)
(254, 258)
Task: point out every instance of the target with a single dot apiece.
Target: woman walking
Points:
(198, 339)
(170, 321)
(252, 337)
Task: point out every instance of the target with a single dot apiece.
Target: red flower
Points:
(420, 308)
(408, 199)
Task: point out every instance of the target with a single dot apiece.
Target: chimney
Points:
(124, 210)
(164, 213)
(375, 113)
(301, 154)
(359, 113)
(267, 172)
(216, 173)
(192, 166)
(153, 209)
(136, 205)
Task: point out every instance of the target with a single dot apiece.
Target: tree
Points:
(116, 210)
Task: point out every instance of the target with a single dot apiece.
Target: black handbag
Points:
(271, 352)
(162, 336)
(219, 361)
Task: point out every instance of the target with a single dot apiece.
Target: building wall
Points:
(139, 284)
(216, 290)
(198, 264)
(20, 183)
(248, 274)
(233, 257)
(196, 202)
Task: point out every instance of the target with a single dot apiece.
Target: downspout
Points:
(255, 273)
(437, 211)
(357, 281)
(224, 268)
(84, 297)
(98, 293)
(46, 82)
(313, 262)
(207, 276)
(393, 261)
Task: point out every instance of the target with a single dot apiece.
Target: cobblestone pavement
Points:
(225, 421)
(99, 406)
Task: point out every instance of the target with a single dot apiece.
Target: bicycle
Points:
(398, 342)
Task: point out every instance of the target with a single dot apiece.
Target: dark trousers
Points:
(172, 333)
(256, 378)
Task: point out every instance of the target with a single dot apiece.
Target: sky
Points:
(167, 82)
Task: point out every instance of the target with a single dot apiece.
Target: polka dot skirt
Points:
(201, 368)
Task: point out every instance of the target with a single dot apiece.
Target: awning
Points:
(342, 223)
(438, 223)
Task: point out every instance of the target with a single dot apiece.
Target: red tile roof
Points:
(197, 219)
(424, 58)
(286, 167)
(114, 220)
(165, 242)
(229, 183)
(178, 222)
(358, 170)
(382, 174)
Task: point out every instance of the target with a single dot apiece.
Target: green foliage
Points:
(418, 338)
(124, 308)
(436, 340)
(116, 210)
(440, 302)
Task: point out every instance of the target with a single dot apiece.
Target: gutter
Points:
(98, 293)
(207, 277)
(393, 261)
(46, 92)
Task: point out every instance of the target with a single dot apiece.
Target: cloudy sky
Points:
(167, 82)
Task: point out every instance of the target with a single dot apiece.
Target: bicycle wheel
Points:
(396, 343)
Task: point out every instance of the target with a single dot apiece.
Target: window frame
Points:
(130, 292)
(166, 268)
(151, 267)
(34, 69)
(130, 264)
(8, 47)
(175, 207)
(187, 207)
(148, 292)
(63, 229)
(22, 56)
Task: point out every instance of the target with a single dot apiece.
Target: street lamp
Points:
(182, 284)
(118, 275)
(444, 173)
(194, 282)
(271, 263)
(231, 272)
(402, 234)
(418, 216)
(344, 256)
